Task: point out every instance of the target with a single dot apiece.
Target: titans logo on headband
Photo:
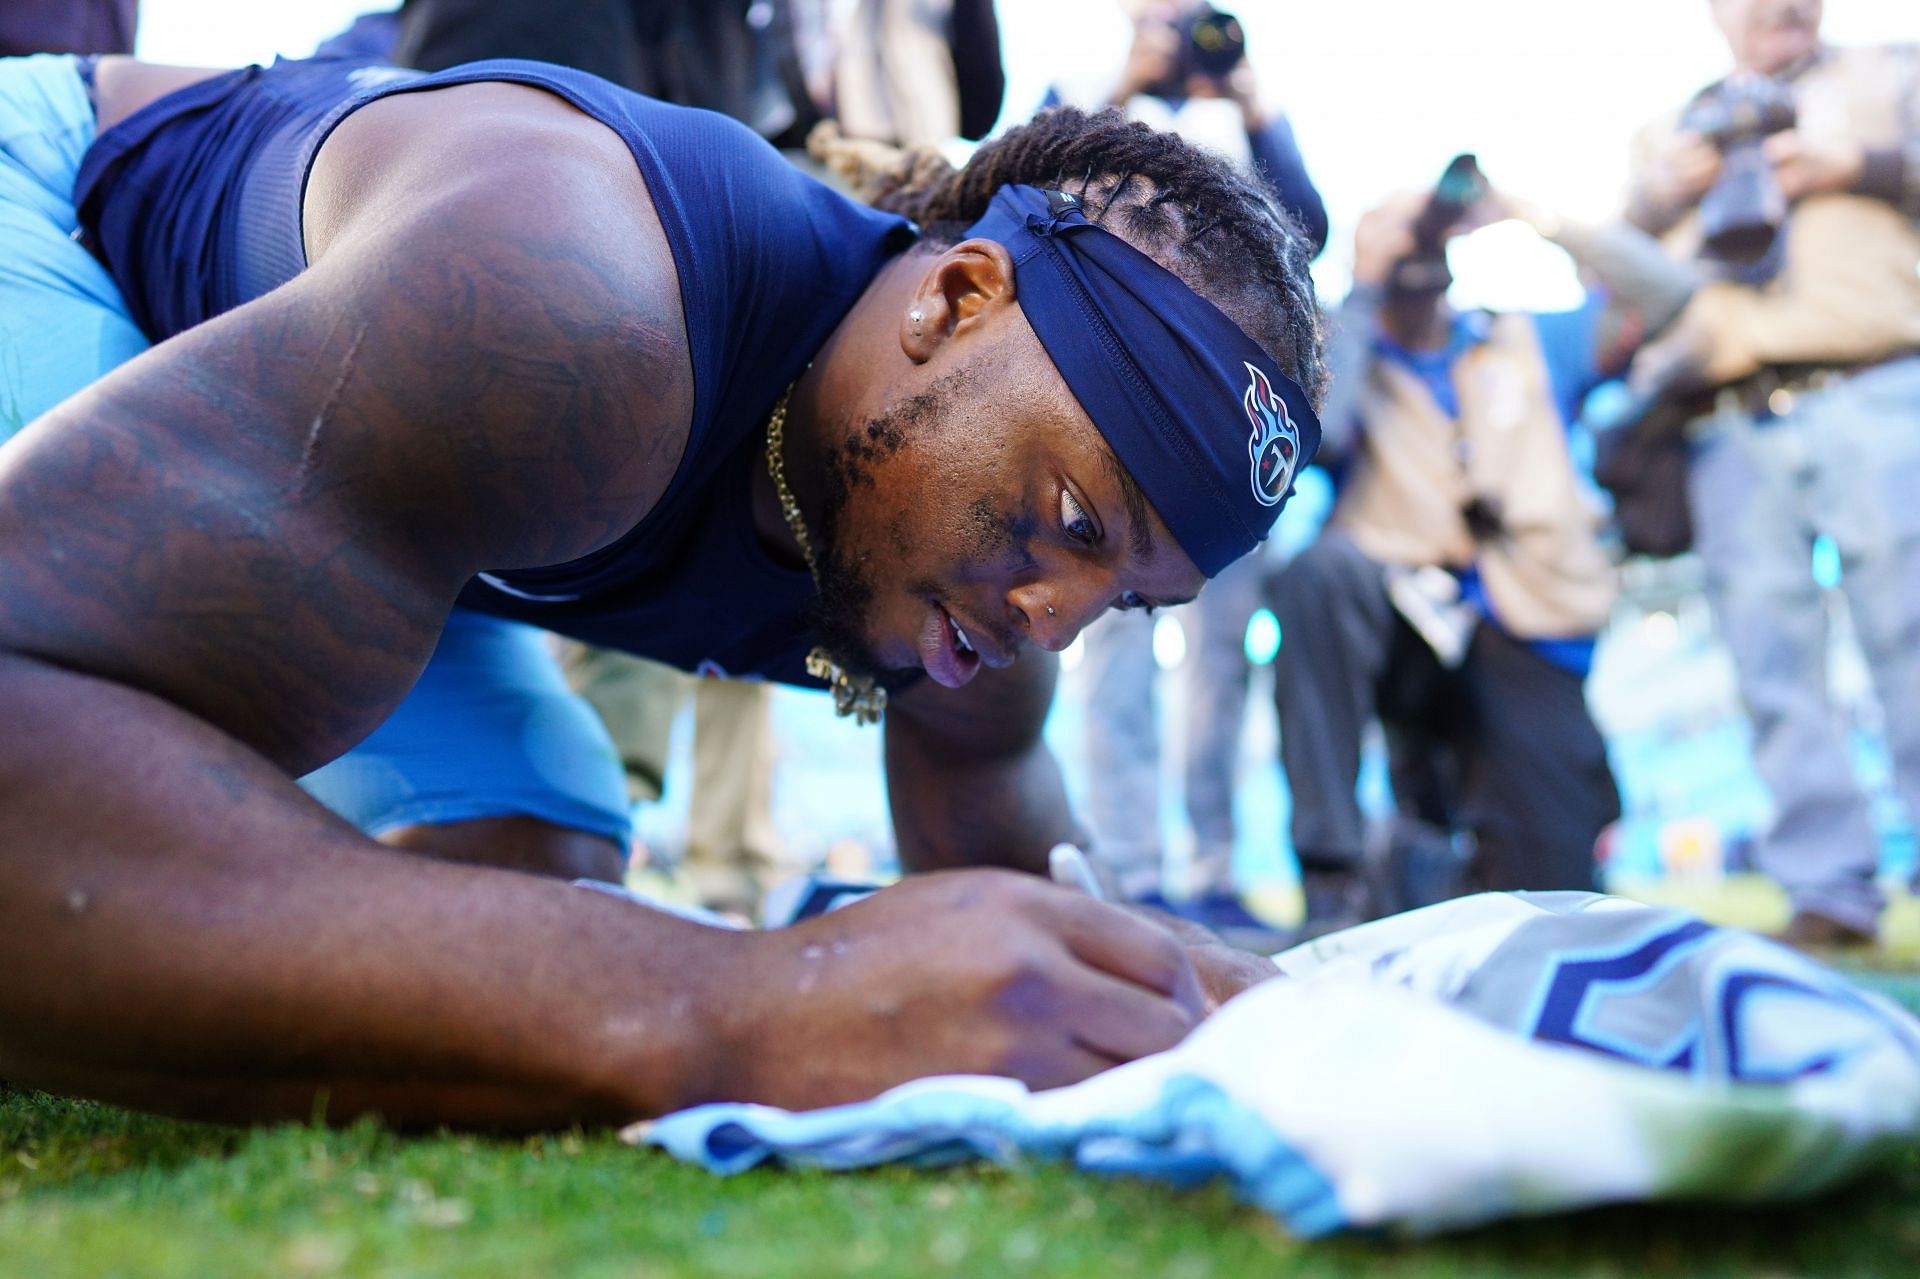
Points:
(1274, 445)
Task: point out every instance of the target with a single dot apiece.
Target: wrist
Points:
(1539, 219)
(1652, 213)
(1883, 172)
(687, 1040)
(1129, 88)
(1369, 278)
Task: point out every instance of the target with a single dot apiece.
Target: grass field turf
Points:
(92, 1191)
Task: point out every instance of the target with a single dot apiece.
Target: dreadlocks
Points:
(1220, 232)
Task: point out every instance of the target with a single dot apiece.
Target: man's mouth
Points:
(946, 651)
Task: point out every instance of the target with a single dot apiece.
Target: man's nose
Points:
(1057, 610)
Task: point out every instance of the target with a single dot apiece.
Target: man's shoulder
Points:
(511, 243)
(1897, 52)
(519, 150)
(1867, 83)
(1891, 68)
(504, 181)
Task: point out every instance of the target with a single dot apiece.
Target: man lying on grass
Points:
(442, 355)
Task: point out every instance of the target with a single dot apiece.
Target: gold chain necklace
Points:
(855, 695)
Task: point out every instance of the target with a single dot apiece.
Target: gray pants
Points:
(1844, 462)
(1502, 746)
(1123, 733)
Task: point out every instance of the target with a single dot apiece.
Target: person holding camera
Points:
(1460, 580)
(1186, 71)
(1793, 186)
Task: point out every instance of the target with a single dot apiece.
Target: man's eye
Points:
(1131, 601)
(1074, 520)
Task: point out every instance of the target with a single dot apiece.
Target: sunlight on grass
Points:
(1756, 902)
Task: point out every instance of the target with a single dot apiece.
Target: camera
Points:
(1211, 44)
(1424, 270)
(1742, 212)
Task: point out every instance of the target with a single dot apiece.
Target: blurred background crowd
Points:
(1609, 570)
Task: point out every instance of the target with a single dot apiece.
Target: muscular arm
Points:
(235, 553)
(229, 559)
(972, 783)
(969, 778)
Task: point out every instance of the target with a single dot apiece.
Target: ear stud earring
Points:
(916, 316)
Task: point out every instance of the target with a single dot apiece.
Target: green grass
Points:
(88, 1190)
(1756, 902)
(92, 1191)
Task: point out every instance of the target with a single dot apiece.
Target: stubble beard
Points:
(843, 606)
(842, 610)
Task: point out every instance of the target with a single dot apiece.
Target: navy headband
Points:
(1205, 422)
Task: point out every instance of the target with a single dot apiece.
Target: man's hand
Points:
(1711, 343)
(1679, 173)
(975, 972)
(1384, 236)
(1699, 349)
(1813, 166)
(1224, 971)
(1241, 86)
(1150, 59)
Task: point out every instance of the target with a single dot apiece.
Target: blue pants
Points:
(490, 729)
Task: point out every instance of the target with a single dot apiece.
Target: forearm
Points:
(1277, 156)
(997, 811)
(1650, 214)
(969, 777)
(1349, 350)
(1640, 277)
(184, 930)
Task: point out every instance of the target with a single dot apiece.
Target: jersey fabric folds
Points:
(1493, 1056)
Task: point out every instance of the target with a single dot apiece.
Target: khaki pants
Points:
(733, 853)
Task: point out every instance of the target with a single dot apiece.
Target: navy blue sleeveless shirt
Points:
(194, 203)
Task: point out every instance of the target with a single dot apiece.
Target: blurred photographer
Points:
(1459, 583)
(1793, 185)
(1187, 71)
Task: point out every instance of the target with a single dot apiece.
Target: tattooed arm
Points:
(228, 560)
(234, 553)
(264, 520)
